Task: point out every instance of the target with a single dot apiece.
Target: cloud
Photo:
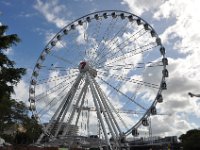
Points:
(53, 12)
(139, 7)
(8, 51)
(170, 125)
(187, 21)
(6, 3)
(27, 15)
(21, 91)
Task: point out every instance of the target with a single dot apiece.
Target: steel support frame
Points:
(98, 108)
(58, 111)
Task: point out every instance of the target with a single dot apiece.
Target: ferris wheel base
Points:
(81, 142)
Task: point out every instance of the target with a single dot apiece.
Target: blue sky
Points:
(176, 22)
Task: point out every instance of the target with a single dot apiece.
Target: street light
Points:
(191, 94)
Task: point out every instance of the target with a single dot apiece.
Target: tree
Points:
(7, 40)
(9, 77)
(31, 133)
(190, 140)
(12, 113)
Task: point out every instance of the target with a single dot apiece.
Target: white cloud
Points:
(139, 7)
(21, 91)
(8, 51)
(53, 12)
(170, 125)
(82, 37)
(186, 14)
(6, 3)
(27, 15)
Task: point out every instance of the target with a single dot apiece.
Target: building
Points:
(155, 143)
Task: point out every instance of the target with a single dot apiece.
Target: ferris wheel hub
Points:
(85, 67)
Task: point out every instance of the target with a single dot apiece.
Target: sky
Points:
(176, 21)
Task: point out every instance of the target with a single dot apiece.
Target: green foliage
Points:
(13, 114)
(16, 118)
(7, 40)
(191, 140)
(9, 76)
(31, 134)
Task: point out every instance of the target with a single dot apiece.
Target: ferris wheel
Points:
(93, 69)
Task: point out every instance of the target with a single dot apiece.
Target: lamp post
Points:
(191, 94)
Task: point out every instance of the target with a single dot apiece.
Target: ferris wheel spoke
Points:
(94, 35)
(106, 34)
(51, 104)
(127, 55)
(121, 46)
(110, 49)
(135, 81)
(87, 37)
(133, 96)
(60, 69)
(132, 52)
(104, 73)
(52, 68)
(123, 94)
(80, 53)
(121, 67)
(77, 47)
(63, 59)
(56, 78)
(116, 87)
(113, 41)
(53, 89)
(105, 37)
(120, 84)
(130, 66)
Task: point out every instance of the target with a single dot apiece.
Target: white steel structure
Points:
(92, 69)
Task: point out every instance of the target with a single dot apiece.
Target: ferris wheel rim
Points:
(49, 45)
